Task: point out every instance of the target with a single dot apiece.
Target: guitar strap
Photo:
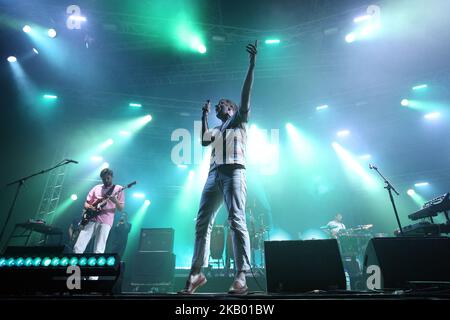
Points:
(110, 191)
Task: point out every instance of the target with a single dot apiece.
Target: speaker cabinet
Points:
(156, 239)
(403, 260)
(303, 265)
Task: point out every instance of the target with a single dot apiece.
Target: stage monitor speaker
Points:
(155, 267)
(156, 239)
(401, 262)
(303, 265)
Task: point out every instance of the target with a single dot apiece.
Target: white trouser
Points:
(99, 230)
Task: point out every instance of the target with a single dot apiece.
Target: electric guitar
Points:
(89, 214)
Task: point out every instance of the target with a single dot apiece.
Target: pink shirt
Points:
(107, 215)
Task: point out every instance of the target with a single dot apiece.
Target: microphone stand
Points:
(390, 188)
(20, 182)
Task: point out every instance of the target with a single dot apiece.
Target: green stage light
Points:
(26, 29)
(2, 262)
(101, 261)
(111, 261)
(28, 262)
(51, 33)
(64, 262)
(37, 262)
(46, 261)
(272, 41)
(83, 261)
(420, 87)
(55, 261)
(50, 96)
(92, 261)
(73, 261)
(19, 262)
(201, 48)
(10, 262)
(135, 105)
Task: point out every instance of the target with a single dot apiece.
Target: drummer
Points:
(336, 226)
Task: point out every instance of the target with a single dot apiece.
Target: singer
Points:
(226, 182)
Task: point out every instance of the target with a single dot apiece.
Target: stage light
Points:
(74, 197)
(104, 165)
(124, 133)
(51, 33)
(37, 262)
(201, 48)
(135, 105)
(325, 106)
(2, 262)
(50, 97)
(420, 87)
(362, 18)
(411, 192)
(421, 184)
(28, 262)
(82, 262)
(26, 29)
(46, 262)
(110, 261)
(101, 261)
(353, 166)
(92, 261)
(182, 166)
(64, 262)
(19, 262)
(367, 30)
(432, 116)
(10, 262)
(405, 102)
(96, 158)
(73, 261)
(147, 118)
(191, 174)
(147, 203)
(272, 41)
(351, 37)
(55, 262)
(138, 195)
(11, 59)
(35, 51)
(343, 133)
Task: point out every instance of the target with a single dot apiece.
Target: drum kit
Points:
(221, 242)
(353, 241)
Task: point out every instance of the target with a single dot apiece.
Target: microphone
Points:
(371, 166)
(71, 161)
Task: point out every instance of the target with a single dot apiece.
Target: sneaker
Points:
(190, 287)
(238, 288)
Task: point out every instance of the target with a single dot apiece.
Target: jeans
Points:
(227, 184)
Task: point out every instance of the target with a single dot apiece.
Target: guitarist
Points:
(101, 224)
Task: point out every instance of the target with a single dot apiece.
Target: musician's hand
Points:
(92, 208)
(114, 199)
(206, 108)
